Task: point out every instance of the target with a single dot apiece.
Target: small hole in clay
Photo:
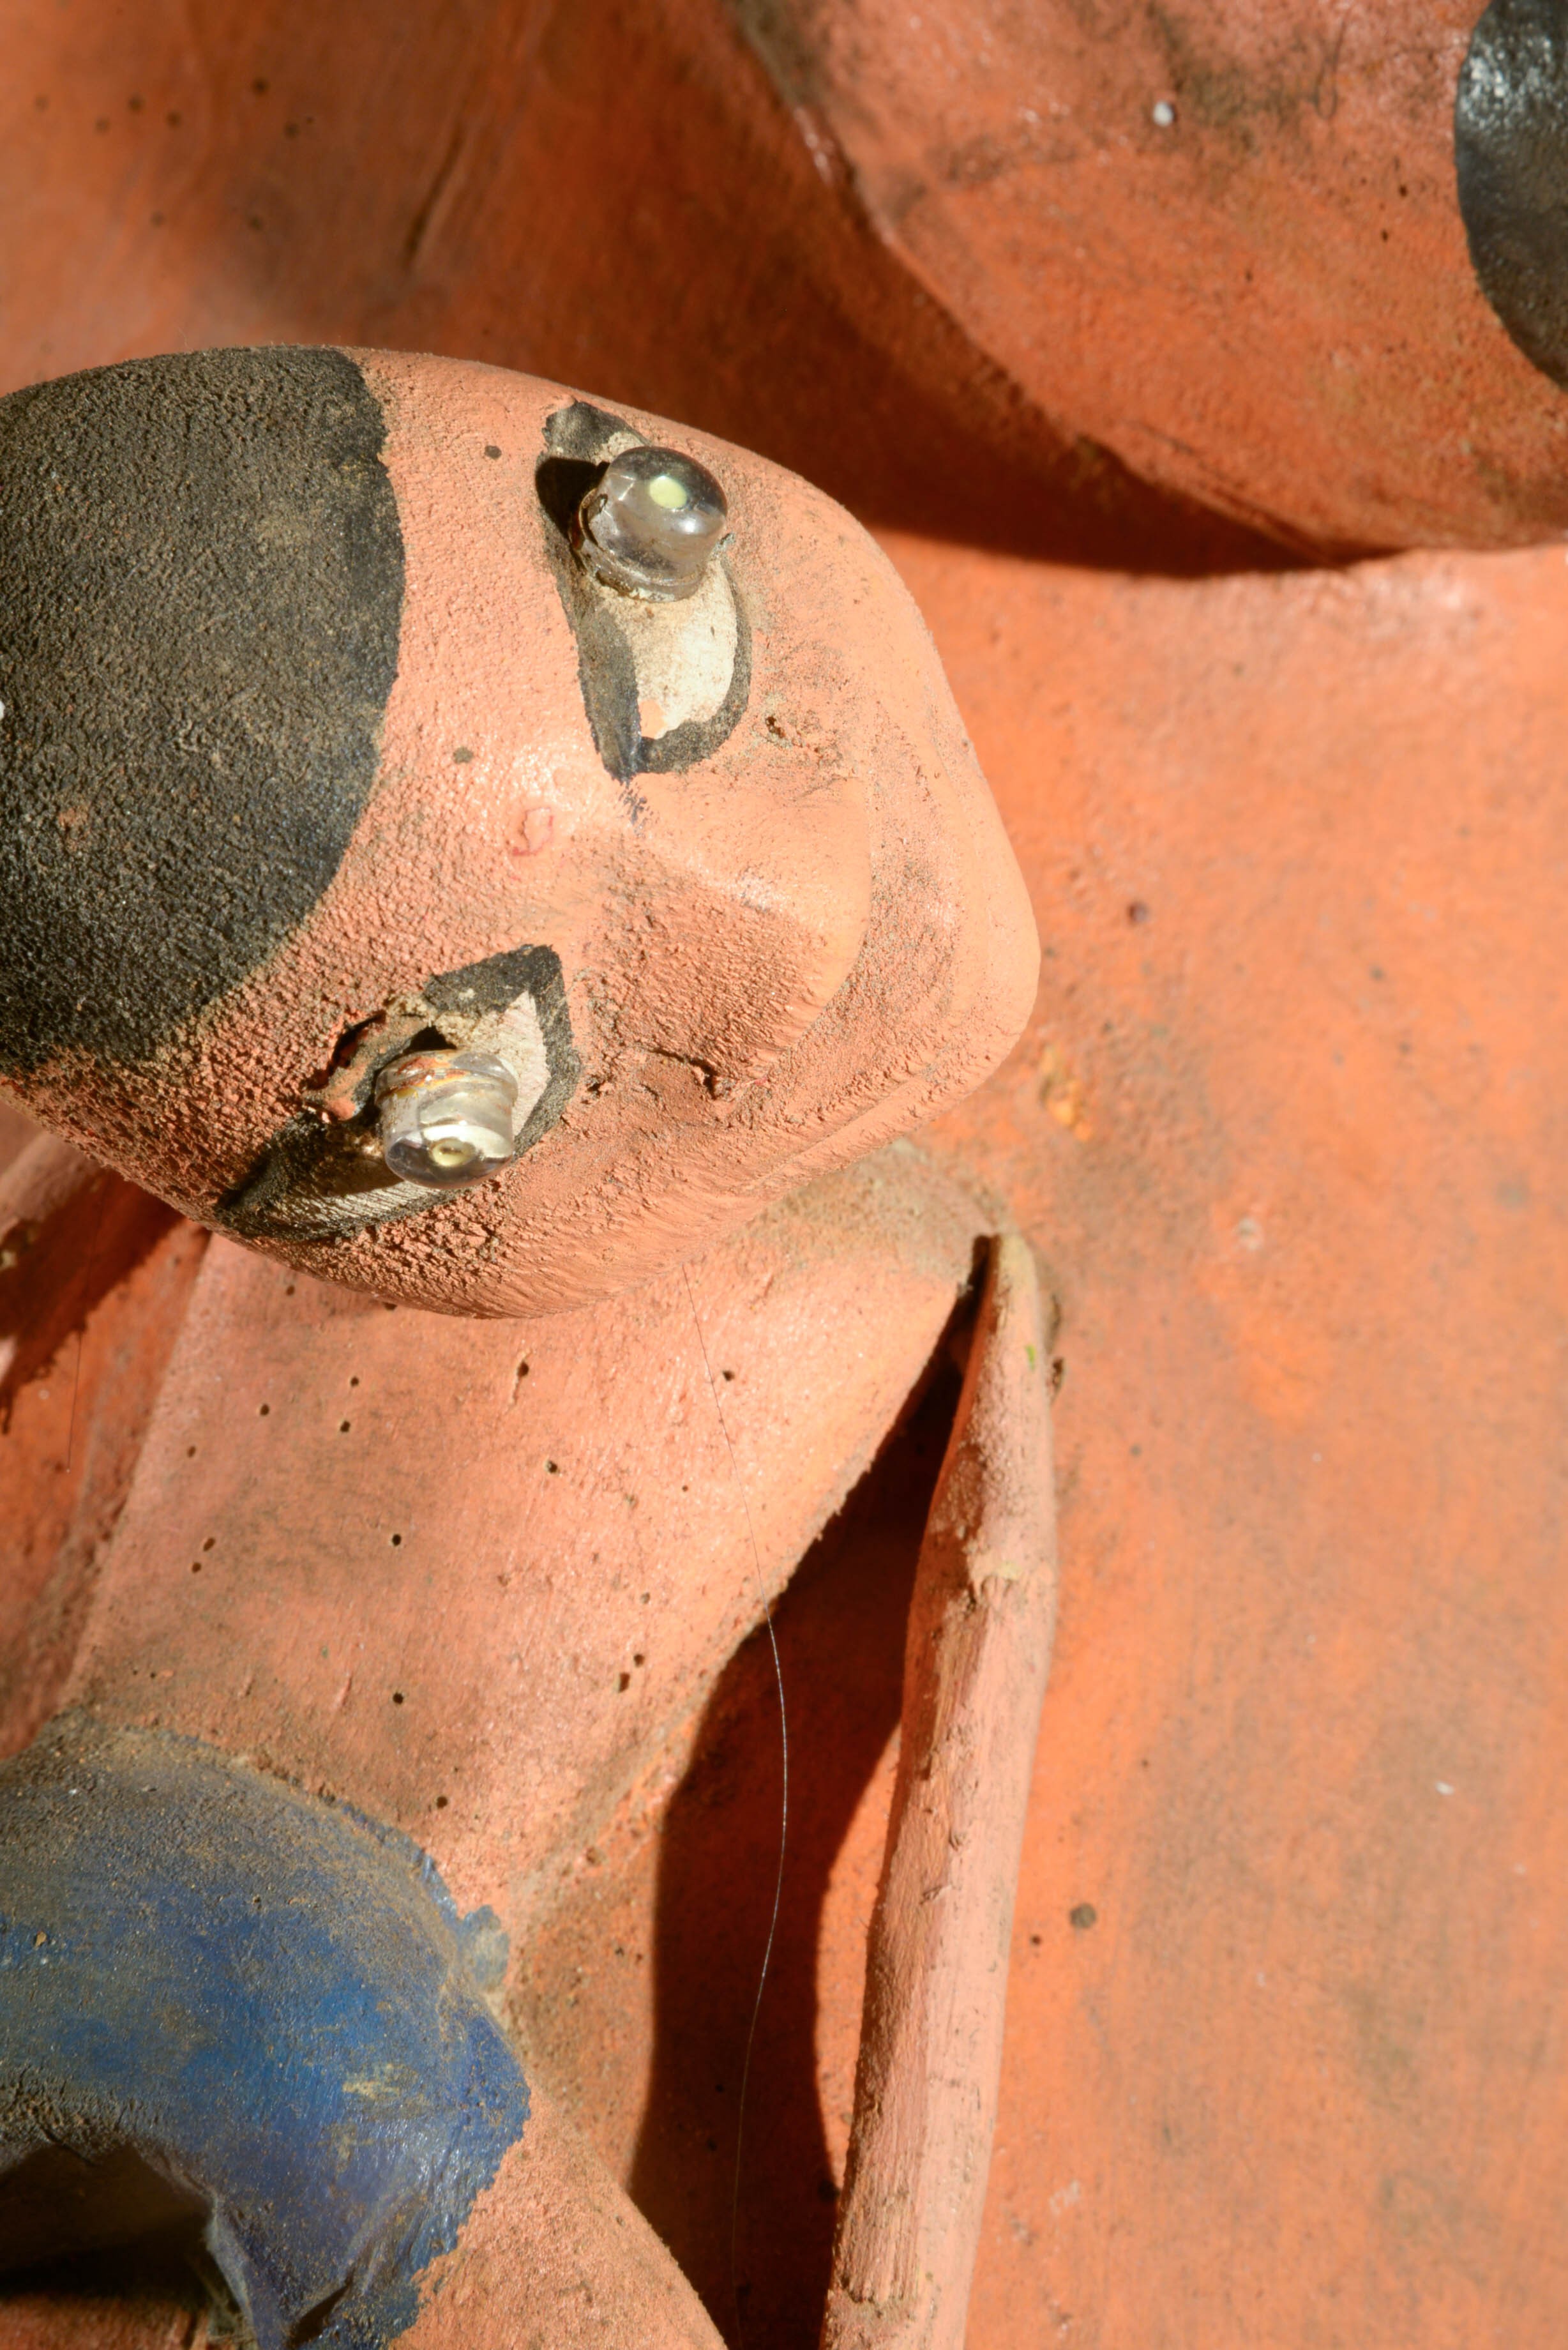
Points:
(623, 1683)
(343, 1427)
(441, 1802)
(397, 1542)
(397, 1697)
(264, 1411)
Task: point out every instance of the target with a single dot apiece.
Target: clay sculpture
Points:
(1199, 367)
(469, 851)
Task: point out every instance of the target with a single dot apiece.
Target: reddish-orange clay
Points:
(1018, 1006)
(777, 948)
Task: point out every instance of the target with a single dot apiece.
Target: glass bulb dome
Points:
(446, 1117)
(651, 523)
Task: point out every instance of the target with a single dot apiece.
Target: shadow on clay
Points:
(840, 1629)
(55, 1271)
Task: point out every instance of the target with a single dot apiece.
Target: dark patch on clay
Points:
(217, 1993)
(577, 441)
(788, 40)
(1510, 152)
(326, 1180)
(490, 986)
(200, 592)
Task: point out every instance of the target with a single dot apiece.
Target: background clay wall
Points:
(1285, 2061)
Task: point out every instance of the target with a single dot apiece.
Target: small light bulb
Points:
(651, 523)
(452, 1154)
(446, 1117)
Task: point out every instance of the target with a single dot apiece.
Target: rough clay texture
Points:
(95, 1277)
(1222, 240)
(772, 962)
(579, 1521)
(1287, 1127)
(291, 173)
(1287, 1123)
(1282, 2062)
(956, 271)
(978, 1650)
(1511, 147)
(553, 2253)
(563, 1496)
(200, 587)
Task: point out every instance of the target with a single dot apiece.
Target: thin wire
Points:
(783, 1809)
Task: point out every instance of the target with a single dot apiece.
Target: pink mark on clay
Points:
(535, 831)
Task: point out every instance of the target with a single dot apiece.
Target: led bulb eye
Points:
(452, 1152)
(446, 1117)
(651, 523)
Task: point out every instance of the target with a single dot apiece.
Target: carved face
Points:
(321, 747)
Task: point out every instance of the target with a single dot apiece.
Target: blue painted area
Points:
(269, 1998)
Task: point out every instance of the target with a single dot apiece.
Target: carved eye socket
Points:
(651, 525)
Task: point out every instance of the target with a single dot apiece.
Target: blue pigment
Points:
(267, 1999)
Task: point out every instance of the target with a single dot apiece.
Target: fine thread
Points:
(784, 1808)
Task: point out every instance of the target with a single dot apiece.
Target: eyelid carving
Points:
(666, 682)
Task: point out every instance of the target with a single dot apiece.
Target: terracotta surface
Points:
(773, 960)
(951, 266)
(95, 1277)
(1280, 2063)
(554, 2253)
(1222, 240)
(556, 1680)
(1287, 1125)
(561, 1494)
(977, 1654)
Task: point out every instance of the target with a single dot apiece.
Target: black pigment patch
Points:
(577, 442)
(200, 591)
(1510, 151)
